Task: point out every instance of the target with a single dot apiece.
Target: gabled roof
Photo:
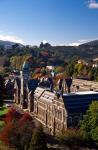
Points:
(79, 102)
(47, 96)
(38, 92)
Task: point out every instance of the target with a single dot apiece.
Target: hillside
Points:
(91, 43)
(87, 51)
(8, 44)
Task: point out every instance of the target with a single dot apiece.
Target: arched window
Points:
(69, 121)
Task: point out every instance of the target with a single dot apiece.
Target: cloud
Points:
(77, 43)
(44, 41)
(92, 4)
(11, 38)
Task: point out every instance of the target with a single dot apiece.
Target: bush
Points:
(24, 118)
(90, 122)
(94, 134)
(38, 141)
(5, 132)
(17, 132)
(20, 136)
(11, 115)
(73, 137)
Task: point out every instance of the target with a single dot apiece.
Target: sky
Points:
(59, 22)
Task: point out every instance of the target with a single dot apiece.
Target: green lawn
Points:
(3, 111)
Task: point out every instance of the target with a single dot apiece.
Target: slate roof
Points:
(79, 102)
(47, 96)
(32, 84)
(38, 92)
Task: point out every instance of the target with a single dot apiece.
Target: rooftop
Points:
(80, 93)
(79, 102)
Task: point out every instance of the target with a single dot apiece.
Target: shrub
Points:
(11, 115)
(90, 122)
(18, 131)
(73, 137)
(5, 132)
(38, 141)
(94, 134)
(20, 136)
(25, 117)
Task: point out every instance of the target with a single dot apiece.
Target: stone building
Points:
(17, 89)
(24, 88)
(24, 77)
(32, 85)
(84, 85)
(9, 87)
(59, 113)
(49, 110)
(58, 109)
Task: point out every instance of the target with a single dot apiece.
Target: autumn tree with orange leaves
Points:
(18, 130)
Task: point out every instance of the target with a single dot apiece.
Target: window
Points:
(69, 121)
(75, 121)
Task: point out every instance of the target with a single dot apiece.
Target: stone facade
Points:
(17, 89)
(49, 110)
(59, 113)
(84, 85)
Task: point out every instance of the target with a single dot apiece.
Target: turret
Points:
(24, 81)
(25, 69)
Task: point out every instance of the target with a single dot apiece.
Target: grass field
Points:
(3, 111)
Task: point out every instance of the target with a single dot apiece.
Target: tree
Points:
(17, 132)
(94, 134)
(73, 137)
(11, 115)
(14, 46)
(59, 69)
(38, 141)
(20, 136)
(90, 122)
(45, 45)
(5, 132)
(70, 68)
(2, 90)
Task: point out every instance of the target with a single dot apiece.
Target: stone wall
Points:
(50, 111)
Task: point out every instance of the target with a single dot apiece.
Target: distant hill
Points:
(86, 51)
(8, 44)
(91, 43)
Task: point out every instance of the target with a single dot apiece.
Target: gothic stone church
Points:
(56, 110)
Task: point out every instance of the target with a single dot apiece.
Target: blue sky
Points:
(56, 21)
